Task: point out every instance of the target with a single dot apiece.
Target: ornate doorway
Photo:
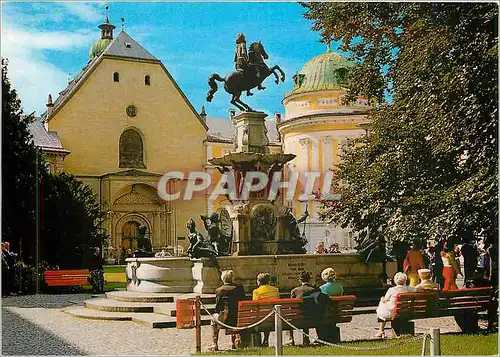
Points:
(130, 235)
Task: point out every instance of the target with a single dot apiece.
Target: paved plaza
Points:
(34, 325)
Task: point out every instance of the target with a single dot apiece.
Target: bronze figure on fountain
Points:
(251, 71)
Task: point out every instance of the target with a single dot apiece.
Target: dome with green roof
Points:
(328, 71)
(99, 47)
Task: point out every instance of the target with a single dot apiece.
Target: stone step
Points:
(119, 306)
(90, 314)
(161, 321)
(151, 320)
(132, 296)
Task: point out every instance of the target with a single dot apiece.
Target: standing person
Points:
(388, 301)
(450, 269)
(469, 253)
(227, 297)
(413, 262)
(265, 291)
(438, 262)
(304, 289)
(97, 272)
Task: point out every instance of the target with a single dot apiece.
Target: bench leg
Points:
(328, 333)
(246, 340)
(468, 323)
(403, 327)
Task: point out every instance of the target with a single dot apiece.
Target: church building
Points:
(116, 127)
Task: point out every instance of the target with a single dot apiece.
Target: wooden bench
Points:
(59, 278)
(299, 313)
(463, 304)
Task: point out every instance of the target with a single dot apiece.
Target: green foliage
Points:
(18, 171)
(429, 163)
(70, 221)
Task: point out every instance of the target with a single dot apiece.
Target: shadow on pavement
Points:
(22, 337)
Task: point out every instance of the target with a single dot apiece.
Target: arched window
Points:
(116, 77)
(147, 80)
(131, 150)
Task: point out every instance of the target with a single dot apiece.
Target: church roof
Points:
(125, 46)
(46, 140)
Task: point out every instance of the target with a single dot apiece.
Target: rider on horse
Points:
(245, 64)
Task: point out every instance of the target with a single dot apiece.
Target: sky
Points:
(47, 43)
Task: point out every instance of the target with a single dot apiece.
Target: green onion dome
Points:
(98, 47)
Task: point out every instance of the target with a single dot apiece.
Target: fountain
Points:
(262, 239)
(265, 236)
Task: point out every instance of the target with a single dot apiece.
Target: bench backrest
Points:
(443, 303)
(338, 309)
(66, 277)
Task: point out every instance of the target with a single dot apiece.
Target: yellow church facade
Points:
(119, 122)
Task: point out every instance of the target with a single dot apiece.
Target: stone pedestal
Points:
(251, 132)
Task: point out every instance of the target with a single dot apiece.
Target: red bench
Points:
(56, 278)
(463, 304)
(338, 309)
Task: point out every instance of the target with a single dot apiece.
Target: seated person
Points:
(300, 291)
(226, 306)
(387, 303)
(425, 281)
(265, 291)
(331, 286)
(320, 249)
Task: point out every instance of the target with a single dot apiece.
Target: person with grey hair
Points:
(331, 286)
(226, 307)
(265, 291)
(387, 303)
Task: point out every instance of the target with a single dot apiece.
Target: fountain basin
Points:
(184, 275)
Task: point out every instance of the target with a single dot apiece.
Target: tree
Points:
(72, 222)
(18, 172)
(70, 219)
(428, 164)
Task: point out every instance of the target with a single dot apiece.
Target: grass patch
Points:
(114, 269)
(482, 344)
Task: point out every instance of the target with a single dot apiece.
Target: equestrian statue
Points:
(251, 71)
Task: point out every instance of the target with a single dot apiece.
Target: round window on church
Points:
(131, 110)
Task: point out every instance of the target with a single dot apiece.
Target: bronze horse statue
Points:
(239, 81)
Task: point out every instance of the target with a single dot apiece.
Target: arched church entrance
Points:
(135, 230)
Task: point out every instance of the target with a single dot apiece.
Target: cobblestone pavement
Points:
(34, 325)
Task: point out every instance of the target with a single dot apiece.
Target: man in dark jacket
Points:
(300, 291)
(226, 306)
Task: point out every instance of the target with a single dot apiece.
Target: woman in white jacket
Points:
(387, 303)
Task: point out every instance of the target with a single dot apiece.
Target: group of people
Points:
(332, 249)
(443, 261)
(230, 293)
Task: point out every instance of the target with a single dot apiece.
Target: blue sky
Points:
(48, 42)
